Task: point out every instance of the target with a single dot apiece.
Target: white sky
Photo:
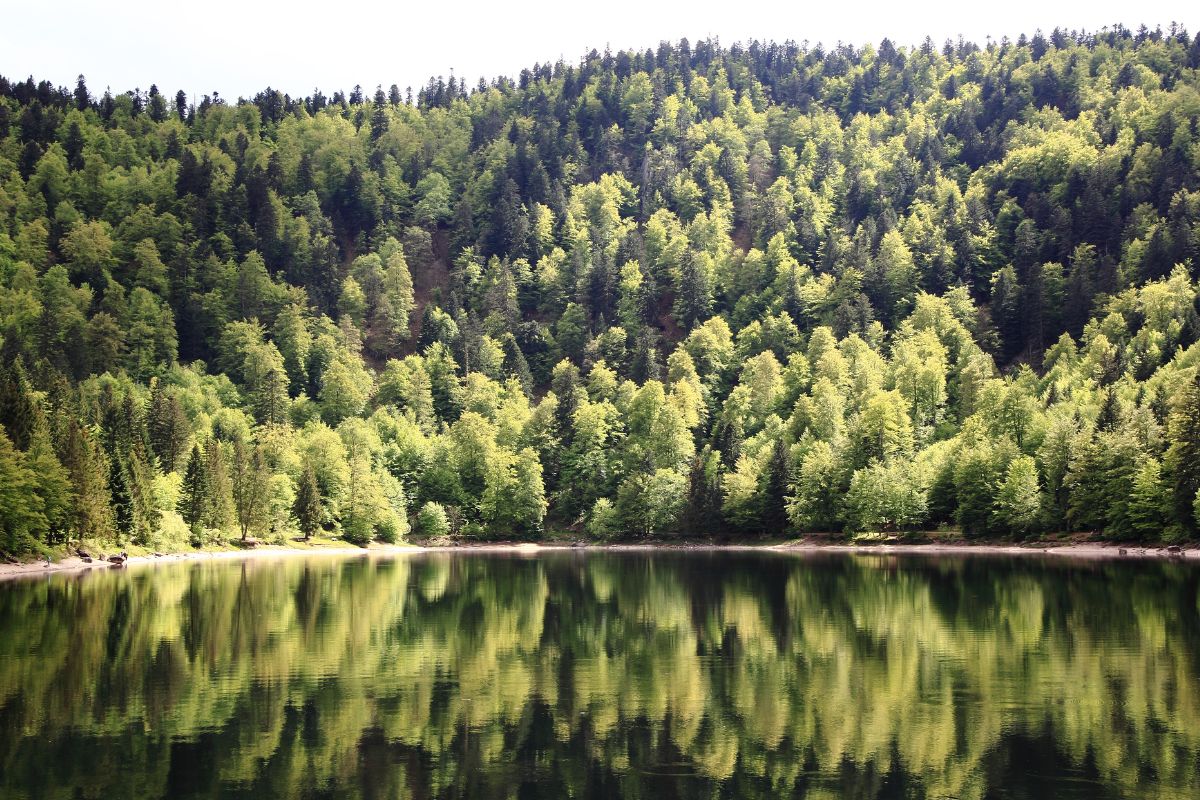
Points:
(238, 47)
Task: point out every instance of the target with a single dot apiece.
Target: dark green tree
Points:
(307, 508)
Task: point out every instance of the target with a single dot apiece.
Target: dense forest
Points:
(697, 289)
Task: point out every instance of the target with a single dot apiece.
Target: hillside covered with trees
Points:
(695, 289)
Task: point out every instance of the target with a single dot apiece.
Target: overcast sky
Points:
(238, 47)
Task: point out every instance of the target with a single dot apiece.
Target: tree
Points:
(343, 391)
(976, 475)
(883, 430)
(432, 521)
(193, 496)
(813, 504)
(1183, 455)
(693, 292)
(776, 480)
(307, 508)
(19, 410)
(513, 498)
(358, 518)
(885, 496)
(167, 426)
(602, 521)
(84, 461)
(892, 281)
(1018, 498)
(1150, 504)
(1101, 482)
(218, 508)
(249, 478)
(83, 100)
(1006, 310)
(650, 504)
(1110, 412)
(702, 510)
(22, 521)
(267, 381)
(122, 498)
(88, 249)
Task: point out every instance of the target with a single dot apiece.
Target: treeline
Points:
(695, 289)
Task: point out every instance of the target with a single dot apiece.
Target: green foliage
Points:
(194, 499)
(815, 504)
(22, 521)
(1018, 498)
(307, 507)
(668, 293)
(432, 521)
(885, 496)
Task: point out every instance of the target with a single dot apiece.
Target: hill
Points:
(751, 289)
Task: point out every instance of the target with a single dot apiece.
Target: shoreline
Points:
(1079, 550)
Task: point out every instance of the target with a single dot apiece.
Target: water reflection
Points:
(604, 675)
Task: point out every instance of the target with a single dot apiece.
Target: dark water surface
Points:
(605, 675)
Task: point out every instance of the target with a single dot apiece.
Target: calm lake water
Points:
(604, 675)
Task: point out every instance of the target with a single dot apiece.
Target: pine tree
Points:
(122, 500)
(167, 428)
(1110, 412)
(193, 496)
(515, 363)
(82, 99)
(19, 411)
(85, 463)
(53, 484)
(379, 117)
(776, 479)
(702, 511)
(307, 506)
(146, 514)
(219, 506)
(693, 301)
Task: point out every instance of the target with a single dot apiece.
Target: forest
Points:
(755, 290)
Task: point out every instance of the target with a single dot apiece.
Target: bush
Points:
(602, 522)
(431, 521)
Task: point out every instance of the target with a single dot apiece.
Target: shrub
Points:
(431, 521)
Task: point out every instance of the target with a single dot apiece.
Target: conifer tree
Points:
(18, 410)
(168, 428)
(122, 500)
(219, 493)
(307, 507)
(88, 473)
(193, 495)
(776, 480)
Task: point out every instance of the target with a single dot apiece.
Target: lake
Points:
(662, 674)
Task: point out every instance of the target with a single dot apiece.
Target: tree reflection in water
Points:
(604, 675)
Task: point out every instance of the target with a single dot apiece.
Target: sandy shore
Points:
(1083, 550)
(75, 564)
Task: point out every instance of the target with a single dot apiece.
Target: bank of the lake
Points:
(1072, 549)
